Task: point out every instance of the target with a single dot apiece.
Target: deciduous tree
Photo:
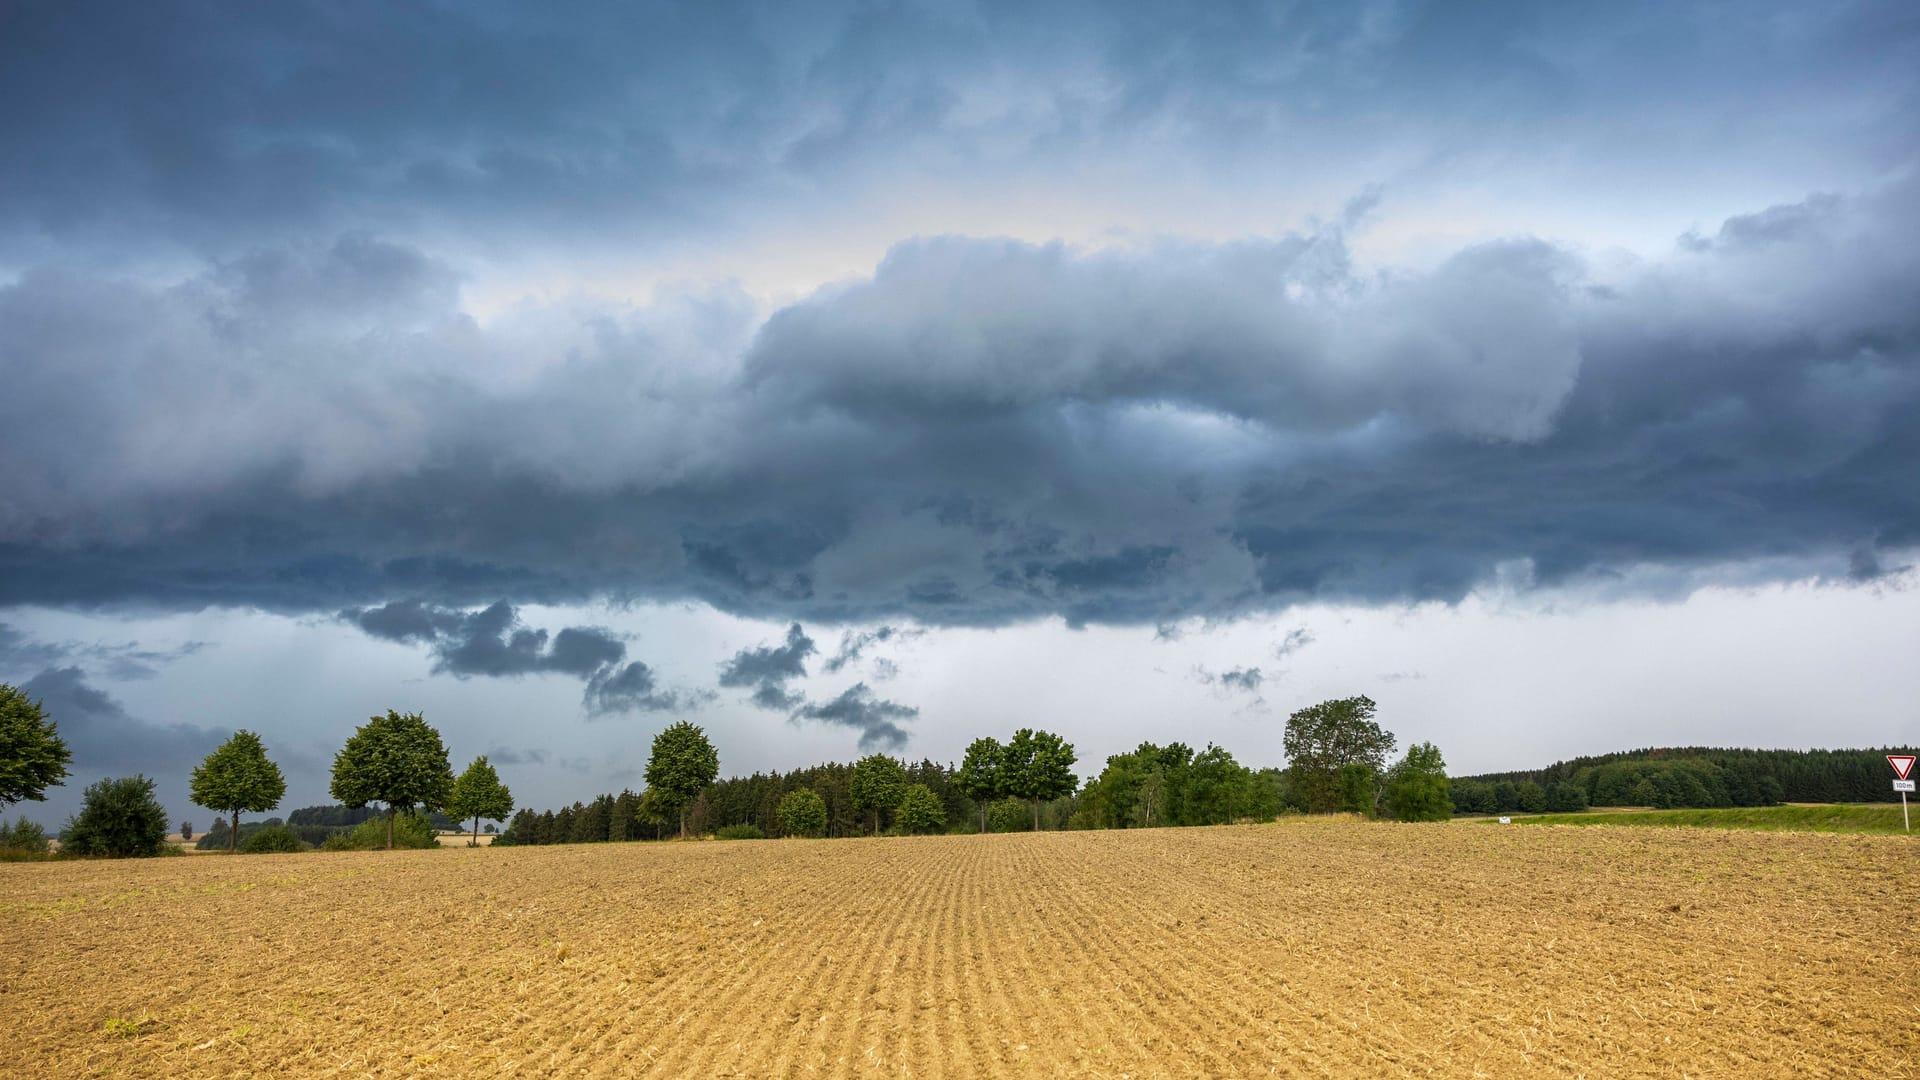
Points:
(119, 818)
(878, 783)
(33, 757)
(683, 762)
(478, 793)
(979, 777)
(803, 813)
(1322, 739)
(238, 776)
(1417, 787)
(920, 811)
(1038, 767)
(396, 759)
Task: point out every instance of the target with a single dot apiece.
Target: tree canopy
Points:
(1038, 766)
(1417, 786)
(878, 783)
(683, 762)
(803, 813)
(33, 757)
(236, 777)
(396, 759)
(1323, 739)
(920, 811)
(478, 793)
(979, 776)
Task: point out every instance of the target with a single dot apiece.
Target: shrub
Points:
(119, 819)
(746, 830)
(803, 813)
(1565, 798)
(409, 831)
(920, 811)
(1009, 815)
(273, 841)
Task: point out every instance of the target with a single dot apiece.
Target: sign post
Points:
(1903, 769)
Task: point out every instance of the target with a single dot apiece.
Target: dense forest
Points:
(1685, 777)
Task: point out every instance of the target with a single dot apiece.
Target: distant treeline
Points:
(1685, 778)
(313, 824)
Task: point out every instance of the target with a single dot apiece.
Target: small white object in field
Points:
(1506, 821)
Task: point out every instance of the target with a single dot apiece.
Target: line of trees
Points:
(1685, 777)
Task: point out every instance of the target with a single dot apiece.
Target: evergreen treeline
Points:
(1685, 778)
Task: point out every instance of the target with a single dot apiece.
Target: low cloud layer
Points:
(766, 669)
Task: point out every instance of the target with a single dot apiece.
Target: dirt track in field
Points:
(1322, 948)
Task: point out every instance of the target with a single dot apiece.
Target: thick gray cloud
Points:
(106, 740)
(983, 432)
(768, 669)
(874, 718)
(854, 644)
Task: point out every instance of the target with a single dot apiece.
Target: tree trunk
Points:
(390, 813)
(233, 841)
(683, 823)
(476, 830)
(983, 817)
(1036, 815)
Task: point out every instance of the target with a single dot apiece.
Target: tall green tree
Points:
(238, 776)
(478, 793)
(803, 813)
(878, 783)
(33, 757)
(396, 759)
(1417, 787)
(119, 818)
(1323, 739)
(920, 811)
(979, 776)
(1038, 767)
(683, 762)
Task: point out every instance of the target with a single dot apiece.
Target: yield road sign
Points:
(1902, 764)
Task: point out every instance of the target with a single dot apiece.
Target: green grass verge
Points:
(1837, 817)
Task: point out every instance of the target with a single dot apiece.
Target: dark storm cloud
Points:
(982, 432)
(768, 668)
(106, 740)
(1244, 680)
(506, 755)
(124, 661)
(209, 127)
(872, 717)
(494, 642)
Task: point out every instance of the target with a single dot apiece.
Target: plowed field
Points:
(1322, 948)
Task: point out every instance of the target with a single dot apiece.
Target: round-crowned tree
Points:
(396, 759)
(920, 811)
(237, 777)
(1417, 786)
(1038, 766)
(878, 783)
(682, 764)
(480, 794)
(33, 757)
(119, 818)
(979, 777)
(803, 813)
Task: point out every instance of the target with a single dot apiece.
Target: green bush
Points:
(409, 831)
(1565, 798)
(119, 819)
(803, 813)
(274, 841)
(920, 811)
(746, 830)
(1010, 815)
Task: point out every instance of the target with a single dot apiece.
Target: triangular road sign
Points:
(1902, 764)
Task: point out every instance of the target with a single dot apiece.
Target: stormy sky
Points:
(876, 376)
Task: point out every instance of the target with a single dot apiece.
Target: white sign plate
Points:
(1903, 785)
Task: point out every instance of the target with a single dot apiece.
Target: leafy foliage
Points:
(119, 819)
(478, 793)
(397, 831)
(24, 836)
(979, 777)
(1038, 766)
(396, 759)
(1322, 740)
(33, 757)
(683, 763)
(803, 813)
(238, 776)
(743, 831)
(1417, 786)
(878, 784)
(1171, 785)
(920, 811)
(1008, 815)
(274, 840)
